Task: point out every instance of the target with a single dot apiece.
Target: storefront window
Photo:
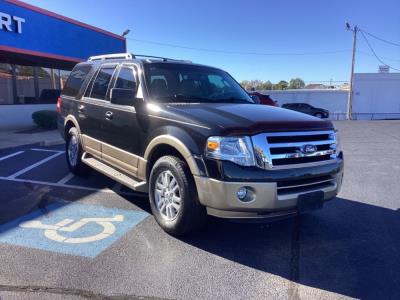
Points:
(49, 85)
(25, 85)
(33, 85)
(6, 90)
(63, 77)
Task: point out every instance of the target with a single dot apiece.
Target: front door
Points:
(121, 131)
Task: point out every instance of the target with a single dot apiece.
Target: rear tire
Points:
(173, 197)
(74, 151)
(319, 115)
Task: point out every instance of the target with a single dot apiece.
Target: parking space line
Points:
(16, 174)
(68, 186)
(11, 155)
(68, 177)
(47, 150)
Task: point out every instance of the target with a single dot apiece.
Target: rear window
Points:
(100, 85)
(75, 80)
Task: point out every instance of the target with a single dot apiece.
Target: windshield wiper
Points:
(233, 100)
(190, 97)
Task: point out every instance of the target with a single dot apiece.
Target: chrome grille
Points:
(294, 149)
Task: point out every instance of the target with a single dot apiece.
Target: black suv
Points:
(307, 109)
(193, 139)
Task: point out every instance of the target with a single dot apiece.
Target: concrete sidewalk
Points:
(17, 138)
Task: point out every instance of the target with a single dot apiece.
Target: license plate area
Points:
(310, 201)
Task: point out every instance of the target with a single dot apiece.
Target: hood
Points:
(246, 119)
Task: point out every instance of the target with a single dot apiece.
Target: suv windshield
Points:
(169, 82)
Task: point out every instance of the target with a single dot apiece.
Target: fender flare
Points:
(174, 142)
(72, 119)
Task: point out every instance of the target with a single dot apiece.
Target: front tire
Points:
(319, 115)
(173, 197)
(74, 151)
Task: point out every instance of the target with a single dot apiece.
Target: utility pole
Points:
(350, 96)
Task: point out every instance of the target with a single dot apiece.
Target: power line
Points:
(238, 52)
(369, 54)
(374, 53)
(381, 39)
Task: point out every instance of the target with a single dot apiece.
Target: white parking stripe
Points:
(68, 186)
(64, 180)
(34, 165)
(47, 150)
(11, 155)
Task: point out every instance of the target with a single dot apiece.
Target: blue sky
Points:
(277, 27)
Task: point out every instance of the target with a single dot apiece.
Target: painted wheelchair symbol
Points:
(54, 232)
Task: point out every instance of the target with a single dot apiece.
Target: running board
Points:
(139, 186)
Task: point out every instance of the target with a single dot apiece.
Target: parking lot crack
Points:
(70, 292)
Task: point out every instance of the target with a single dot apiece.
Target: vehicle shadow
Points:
(349, 248)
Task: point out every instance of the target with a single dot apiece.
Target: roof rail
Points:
(112, 56)
(163, 58)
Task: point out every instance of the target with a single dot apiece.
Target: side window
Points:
(126, 79)
(100, 84)
(75, 80)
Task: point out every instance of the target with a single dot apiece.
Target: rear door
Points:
(121, 129)
(93, 108)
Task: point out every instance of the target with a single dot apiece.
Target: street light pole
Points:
(350, 96)
(124, 34)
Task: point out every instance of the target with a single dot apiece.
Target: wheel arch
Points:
(71, 121)
(167, 145)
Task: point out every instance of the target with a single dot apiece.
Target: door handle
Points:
(109, 115)
(81, 108)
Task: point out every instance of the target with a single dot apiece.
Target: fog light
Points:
(242, 193)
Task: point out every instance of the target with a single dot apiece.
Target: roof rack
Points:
(112, 56)
(132, 56)
(162, 58)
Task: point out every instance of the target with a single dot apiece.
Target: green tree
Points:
(250, 85)
(266, 85)
(296, 83)
(281, 85)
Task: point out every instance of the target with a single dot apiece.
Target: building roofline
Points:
(63, 18)
(41, 54)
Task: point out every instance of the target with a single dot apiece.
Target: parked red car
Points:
(263, 99)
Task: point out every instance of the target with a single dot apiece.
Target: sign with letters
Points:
(29, 30)
(11, 23)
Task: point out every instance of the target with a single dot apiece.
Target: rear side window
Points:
(126, 79)
(75, 80)
(101, 83)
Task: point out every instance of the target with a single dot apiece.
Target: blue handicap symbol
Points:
(71, 228)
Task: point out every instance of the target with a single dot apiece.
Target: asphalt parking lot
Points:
(65, 237)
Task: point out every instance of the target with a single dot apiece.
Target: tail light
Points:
(59, 104)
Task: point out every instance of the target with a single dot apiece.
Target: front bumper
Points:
(264, 199)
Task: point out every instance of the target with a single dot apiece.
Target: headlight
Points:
(235, 149)
(337, 146)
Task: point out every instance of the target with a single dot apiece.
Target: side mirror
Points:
(123, 96)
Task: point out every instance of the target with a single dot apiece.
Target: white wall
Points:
(333, 100)
(376, 95)
(20, 116)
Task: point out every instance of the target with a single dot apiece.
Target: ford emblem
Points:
(308, 149)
